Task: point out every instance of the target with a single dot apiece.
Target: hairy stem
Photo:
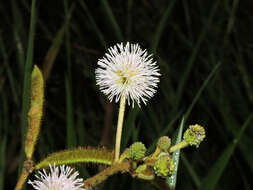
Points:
(119, 127)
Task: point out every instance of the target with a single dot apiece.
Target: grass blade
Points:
(211, 180)
(19, 33)
(27, 78)
(201, 90)
(196, 98)
(161, 26)
(112, 20)
(71, 136)
(11, 78)
(175, 156)
(190, 169)
(94, 25)
(193, 57)
(52, 52)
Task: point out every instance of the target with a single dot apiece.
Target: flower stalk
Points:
(103, 175)
(119, 127)
(193, 136)
(178, 146)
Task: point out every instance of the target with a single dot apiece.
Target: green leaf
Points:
(53, 52)
(77, 156)
(175, 157)
(211, 180)
(35, 112)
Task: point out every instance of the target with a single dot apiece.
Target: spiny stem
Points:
(178, 146)
(119, 127)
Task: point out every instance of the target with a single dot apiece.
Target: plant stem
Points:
(21, 180)
(178, 146)
(119, 127)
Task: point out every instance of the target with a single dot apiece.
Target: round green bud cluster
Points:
(164, 166)
(137, 151)
(164, 143)
(194, 135)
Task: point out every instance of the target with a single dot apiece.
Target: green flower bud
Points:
(164, 143)
(137, 151)
(164, 166)
(194, 135)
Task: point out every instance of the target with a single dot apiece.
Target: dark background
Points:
(188, 39)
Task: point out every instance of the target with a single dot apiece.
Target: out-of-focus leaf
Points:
(211, 180)
(53, 52)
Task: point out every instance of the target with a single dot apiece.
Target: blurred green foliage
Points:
(204, 51)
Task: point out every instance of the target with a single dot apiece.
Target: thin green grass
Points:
(176, 157)
(13, 83)
(212, 178)
(19, 35)
(70, 124)
(93, 23)
(161, 26)
(192, 59)
(26, 86)
(112, 20)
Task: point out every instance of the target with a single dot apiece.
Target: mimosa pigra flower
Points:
(194, 135)
(58, 178)
(127, 71)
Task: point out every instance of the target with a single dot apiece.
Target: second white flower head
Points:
(59, 178)
(127, 71)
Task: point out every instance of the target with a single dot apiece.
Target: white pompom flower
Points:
(59, 178)
(127, 71)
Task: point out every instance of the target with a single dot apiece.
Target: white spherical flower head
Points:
(59, 178)
(127, 71)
